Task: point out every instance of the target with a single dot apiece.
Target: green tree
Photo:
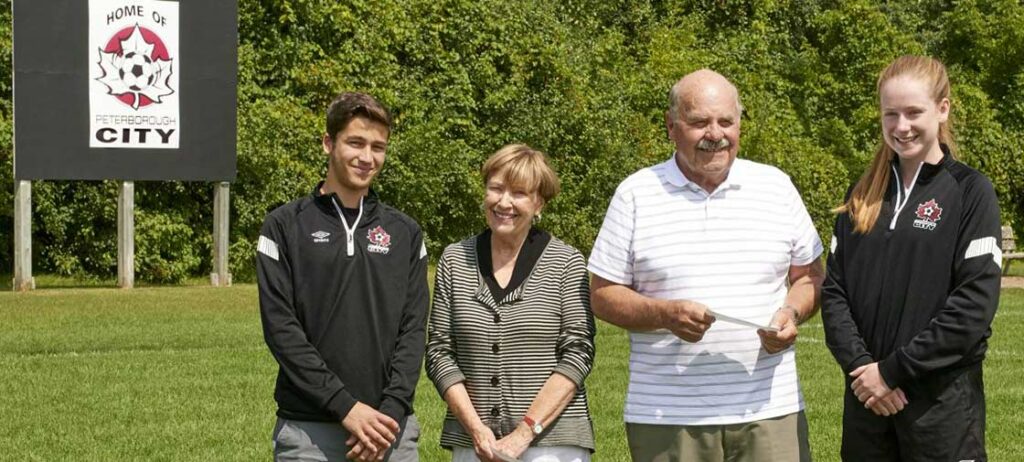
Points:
(583, 80)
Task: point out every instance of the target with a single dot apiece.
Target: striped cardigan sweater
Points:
(503, 351)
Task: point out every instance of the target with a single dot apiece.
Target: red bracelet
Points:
(535, 426)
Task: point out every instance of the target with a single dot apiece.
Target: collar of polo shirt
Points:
(676, 177)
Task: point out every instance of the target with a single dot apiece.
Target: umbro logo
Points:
(320, 236)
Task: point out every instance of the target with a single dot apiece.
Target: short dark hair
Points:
(350, 105)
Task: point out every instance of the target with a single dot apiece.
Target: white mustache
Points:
(712, 146)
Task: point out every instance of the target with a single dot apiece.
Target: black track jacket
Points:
(919, 298)
(342, 328)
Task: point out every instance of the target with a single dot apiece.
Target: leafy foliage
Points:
(583, 80)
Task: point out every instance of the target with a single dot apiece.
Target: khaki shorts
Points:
(780, 439)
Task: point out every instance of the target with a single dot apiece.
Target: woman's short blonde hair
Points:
(525, 167)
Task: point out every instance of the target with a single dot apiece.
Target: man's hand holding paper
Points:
(783, 331)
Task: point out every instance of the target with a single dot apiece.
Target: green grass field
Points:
(181, 373)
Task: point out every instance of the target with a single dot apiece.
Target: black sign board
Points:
(55, 68)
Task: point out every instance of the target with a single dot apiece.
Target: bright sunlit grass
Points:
(181, 373)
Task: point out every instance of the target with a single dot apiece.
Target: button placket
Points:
(495, 380)
(496, 336)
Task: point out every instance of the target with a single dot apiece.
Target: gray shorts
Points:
(302, 441)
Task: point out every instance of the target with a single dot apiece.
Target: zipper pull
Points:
(350, 233)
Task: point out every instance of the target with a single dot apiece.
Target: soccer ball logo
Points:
(377, 236)
(136, 71)
(136, 67)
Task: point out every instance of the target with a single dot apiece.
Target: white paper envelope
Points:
(742, 322)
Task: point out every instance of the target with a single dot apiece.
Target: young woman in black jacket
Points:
(913, 283)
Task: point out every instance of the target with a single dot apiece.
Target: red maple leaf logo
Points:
(378, 236)
(929, 211)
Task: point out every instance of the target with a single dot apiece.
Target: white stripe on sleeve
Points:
(267, 247)
(835, 243)
(985, 246)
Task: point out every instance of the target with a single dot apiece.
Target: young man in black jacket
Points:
(343, 299)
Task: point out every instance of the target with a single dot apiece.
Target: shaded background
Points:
(583, 80)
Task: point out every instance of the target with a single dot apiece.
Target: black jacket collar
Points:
(928, 171)
(325, 202)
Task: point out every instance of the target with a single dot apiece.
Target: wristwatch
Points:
(535, 426)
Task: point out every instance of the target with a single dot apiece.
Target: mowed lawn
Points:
(181, 373)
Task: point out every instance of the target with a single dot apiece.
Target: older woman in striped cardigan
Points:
(511, 334)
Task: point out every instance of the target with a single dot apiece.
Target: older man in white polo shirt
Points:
(703, 235)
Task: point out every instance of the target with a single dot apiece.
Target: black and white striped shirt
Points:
(504, 351)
